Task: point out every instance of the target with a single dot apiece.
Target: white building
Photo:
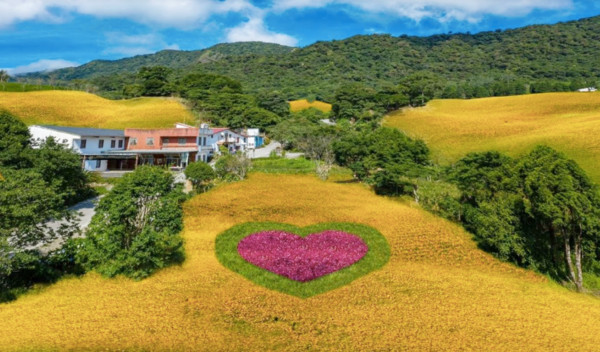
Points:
(210, 139)
(90, 143)
(588, 89)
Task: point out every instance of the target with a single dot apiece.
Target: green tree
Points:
(422, 86)
(200, 174)
(233, 167)
(563, 202)
(15, 144)
(136, 227)
(274, 102)
(26, 205)
(61, 169)
(155, 80)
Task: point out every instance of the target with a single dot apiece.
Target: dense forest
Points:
(532, 59)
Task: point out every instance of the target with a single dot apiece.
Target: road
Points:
(266, 151)
(85, 210)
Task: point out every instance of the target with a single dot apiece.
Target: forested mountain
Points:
(175, 59)
(537, 58)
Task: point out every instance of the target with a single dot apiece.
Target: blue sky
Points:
(38, 35)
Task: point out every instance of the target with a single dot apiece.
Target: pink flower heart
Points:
(302, 258)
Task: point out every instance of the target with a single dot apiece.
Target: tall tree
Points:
(563, 202)
(136, 227)
(15, 144)
(155, 80)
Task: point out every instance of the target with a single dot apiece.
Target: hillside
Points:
(568, 122)
(175, 59)
(438, 291)
(71, 108)
(517, 56)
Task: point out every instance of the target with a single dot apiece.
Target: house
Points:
(111, 150)
(173, 147)
(211, 139)
(253, 138)
(93, 144)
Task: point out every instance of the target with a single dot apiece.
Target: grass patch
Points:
(283, 166)
(377, 256)
(26, 87)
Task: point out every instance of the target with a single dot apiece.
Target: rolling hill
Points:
(438, 292)
(568, 122)
(564, 52)
(72, 108)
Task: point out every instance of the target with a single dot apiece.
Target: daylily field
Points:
(73, 108)
(568, 122)
(437, 292)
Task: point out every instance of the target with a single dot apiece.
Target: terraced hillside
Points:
(569, 122)
(438, 292)
(72, 108)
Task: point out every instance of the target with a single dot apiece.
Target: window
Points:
(113, 143)
(165, 140)
(181, 141)
(100, 143)
(83, 143)
(120, 143)
(98, 164)
(150, 141)
(133, 141)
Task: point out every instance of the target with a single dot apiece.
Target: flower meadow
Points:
(302, 258)
(437, 292)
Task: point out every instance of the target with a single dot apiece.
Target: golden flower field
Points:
(303, 104)
(438, 292)
(72, 108)
(568, 122)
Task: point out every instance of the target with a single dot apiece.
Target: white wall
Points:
(92, 148)
(95, 165)
(39, 134)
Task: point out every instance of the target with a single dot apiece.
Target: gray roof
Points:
(83, 131)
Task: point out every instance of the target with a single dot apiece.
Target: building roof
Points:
(84, 131)
(162, 132)
(216, 130)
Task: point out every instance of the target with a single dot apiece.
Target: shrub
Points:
(200, 174)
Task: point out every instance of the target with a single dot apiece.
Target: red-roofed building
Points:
(173, 147)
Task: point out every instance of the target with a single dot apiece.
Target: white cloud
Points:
(470, 10)
(41, 65)
(138, 44)
(183, 14)
(254, 30)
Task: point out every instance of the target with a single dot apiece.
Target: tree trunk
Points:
(578, 256)
(569, 261)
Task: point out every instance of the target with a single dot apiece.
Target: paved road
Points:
(265, 151)
(86, 210)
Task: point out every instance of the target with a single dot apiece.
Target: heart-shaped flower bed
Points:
(302, 258)
(302, 261)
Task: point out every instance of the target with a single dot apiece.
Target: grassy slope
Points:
(302, 104)
(72, 108)
(438, 291)
(569, 122)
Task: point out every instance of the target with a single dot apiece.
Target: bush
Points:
(200, 174)
(233, 167)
